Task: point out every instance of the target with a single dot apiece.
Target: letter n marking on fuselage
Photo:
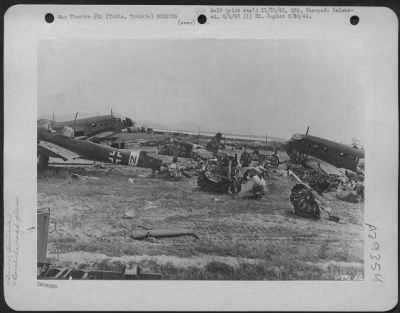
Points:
(134, 158)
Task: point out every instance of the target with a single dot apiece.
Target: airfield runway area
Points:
(238, 239)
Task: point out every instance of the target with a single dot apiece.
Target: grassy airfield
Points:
(240, 239)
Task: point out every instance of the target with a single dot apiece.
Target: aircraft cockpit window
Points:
(342, 154)
(316, 147)
(325, 149)
(93, 125)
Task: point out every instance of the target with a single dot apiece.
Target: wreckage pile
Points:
(246, 159)
(172, 170)
(252, 183)
(225, 174)
(218, 175)
(349, 187)
(303, 201)
(317, 179)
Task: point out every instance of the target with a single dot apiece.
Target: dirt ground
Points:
(239, 239)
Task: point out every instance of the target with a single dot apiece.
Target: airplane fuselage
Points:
(93, 125)
(101, 153)
(337, 154)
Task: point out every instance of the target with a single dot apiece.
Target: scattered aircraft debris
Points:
(303, 201)
(66, 147)
(307, 203)
(161, 233)
(351, 192)
(317, 179)
(225, 174)
(319, 166)
(172, 170)
(185, 149)
(218, 175)
(253, 183)
(336, 154)
(348, 186)
(325, 164)
(264, 160)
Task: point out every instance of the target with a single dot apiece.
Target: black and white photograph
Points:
(200, 159)
(209, 158)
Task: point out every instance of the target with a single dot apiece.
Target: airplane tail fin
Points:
(214, 143)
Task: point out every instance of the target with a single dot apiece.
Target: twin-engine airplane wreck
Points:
(331, 166)
(63, 145)
(328, 155)
(94, 126)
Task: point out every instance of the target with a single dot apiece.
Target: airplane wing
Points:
(55, 151)
(81, 138)
(104, 136)
(326, 167)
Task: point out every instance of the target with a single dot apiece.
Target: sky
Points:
(237, 86)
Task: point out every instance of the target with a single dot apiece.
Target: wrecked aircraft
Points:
(95, 125)
(225, 175)
(187, 149)
(64, 146)
(317, 179)
(308, 203)
(327, 164)
(264, 160)
(218, 175)
(336, 154)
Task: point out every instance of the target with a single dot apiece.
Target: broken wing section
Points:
(329, 169)
(47, 149)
